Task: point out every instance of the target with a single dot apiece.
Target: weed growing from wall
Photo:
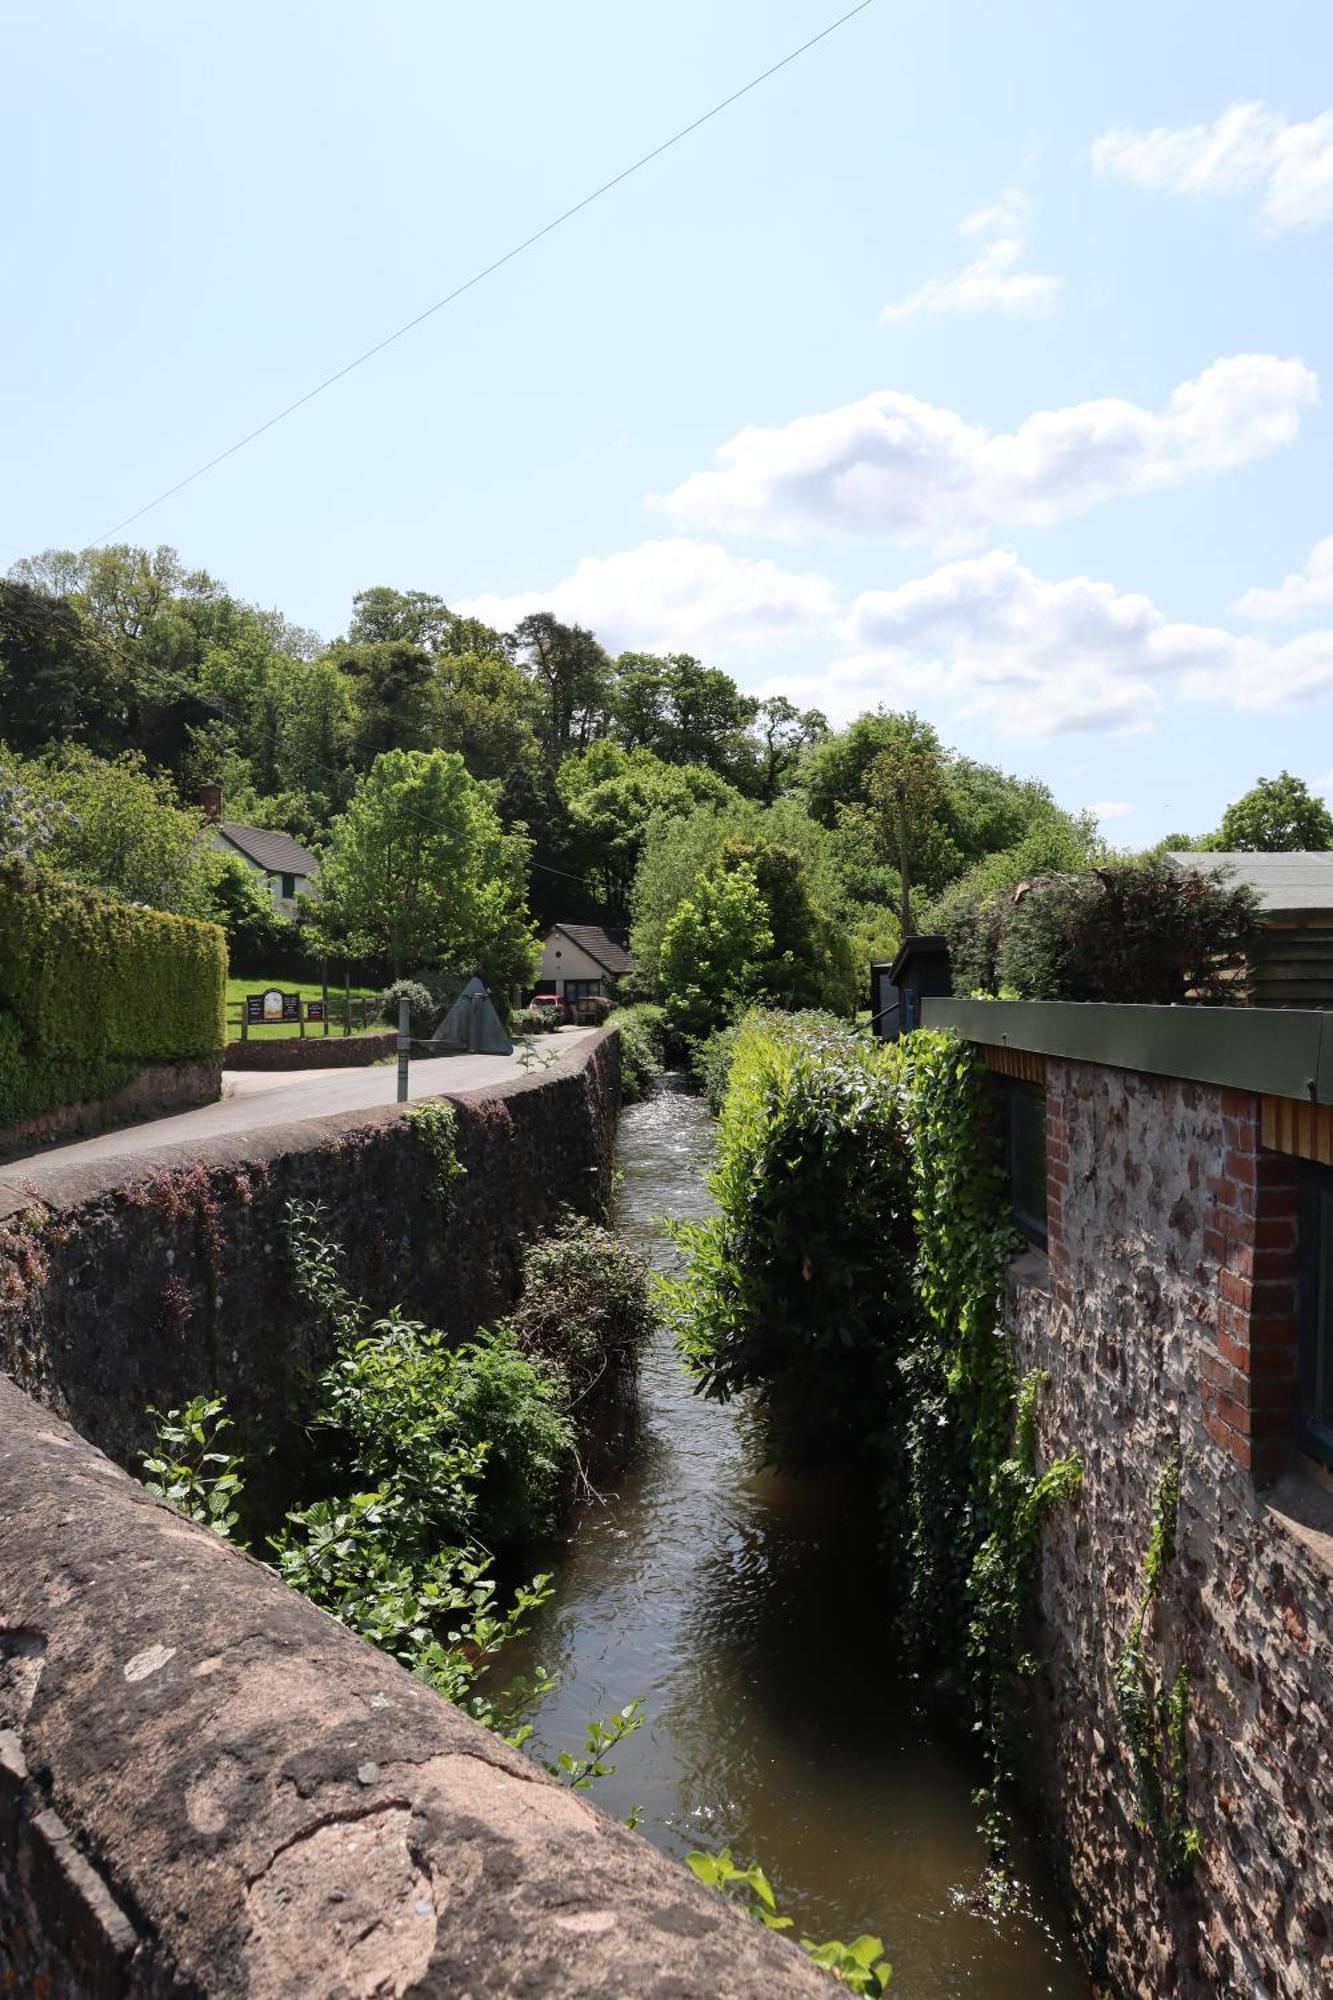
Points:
(1154, 1715)
(859, 1966)
(188, 1470)
(435, 1127)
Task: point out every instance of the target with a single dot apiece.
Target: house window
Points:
(1317, 1313)
(581, 989)
(288, 887)
(1025, 1155)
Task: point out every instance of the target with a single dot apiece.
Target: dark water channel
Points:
(742, 1607)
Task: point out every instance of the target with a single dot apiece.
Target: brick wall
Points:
(1165, 1315)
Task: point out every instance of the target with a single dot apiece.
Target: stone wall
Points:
(208, 1787)
(317, 1051)
(156, 1092)
(122, 1288)
(1165, 1316)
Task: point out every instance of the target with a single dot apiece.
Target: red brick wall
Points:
(1249, 1381)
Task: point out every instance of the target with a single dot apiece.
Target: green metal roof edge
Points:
(1282, 1052)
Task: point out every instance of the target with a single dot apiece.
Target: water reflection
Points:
(740, 1605)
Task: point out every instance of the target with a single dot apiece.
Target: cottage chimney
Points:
(210, 801)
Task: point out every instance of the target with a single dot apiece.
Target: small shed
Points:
(1292, 962)
(920, 971)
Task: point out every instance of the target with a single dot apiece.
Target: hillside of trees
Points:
(490, 782)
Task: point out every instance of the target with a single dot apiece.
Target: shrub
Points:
(536, 1021)
(422, 1010)
(584, 1308)
(91, 990)
(642, 1048)
(1141, 931)
(593, 1009)
(799, 1287)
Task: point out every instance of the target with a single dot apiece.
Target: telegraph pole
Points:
(904, 871)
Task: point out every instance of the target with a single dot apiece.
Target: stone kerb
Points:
(209, 1786)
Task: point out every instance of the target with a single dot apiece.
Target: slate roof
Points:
(1284, 883)
(605, 943)
(276, 853)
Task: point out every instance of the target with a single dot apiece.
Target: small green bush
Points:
(92, 990)
(642, 1048)
(584, 1308)
(537, 1021)
(422, 1010)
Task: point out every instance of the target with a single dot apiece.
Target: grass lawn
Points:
(276, 1031)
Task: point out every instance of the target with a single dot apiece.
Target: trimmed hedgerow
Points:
(92, 989)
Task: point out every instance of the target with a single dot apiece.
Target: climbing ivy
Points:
(1153, 1715)
(435, 1125)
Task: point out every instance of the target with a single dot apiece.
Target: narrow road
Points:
(255, 1098)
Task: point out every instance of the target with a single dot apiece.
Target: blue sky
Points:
(1052, 506)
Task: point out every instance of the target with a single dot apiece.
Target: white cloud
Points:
(985, 638)
(1250, 147)
(1036, 657)
(990, 282)
(1111, 809)
(678, 595)
(894, 464)
(1308, 589)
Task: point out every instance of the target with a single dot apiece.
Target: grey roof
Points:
(276, 853)
(1283, 883)
(600, 943)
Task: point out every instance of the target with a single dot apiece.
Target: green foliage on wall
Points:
(642, 1048)
(91, 990)
(1154, 1714)
(852, 1280)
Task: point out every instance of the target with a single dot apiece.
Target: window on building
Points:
(1317, 1313)
(288, 887)
(1025, 1155)
(581, 989)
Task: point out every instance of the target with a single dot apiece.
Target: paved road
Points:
(253, 1098)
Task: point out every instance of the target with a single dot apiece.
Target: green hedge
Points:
(92, 990)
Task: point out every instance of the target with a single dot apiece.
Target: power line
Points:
(488, 271)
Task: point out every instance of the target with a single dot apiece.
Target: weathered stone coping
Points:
(1277, 1051)
(209, 1787)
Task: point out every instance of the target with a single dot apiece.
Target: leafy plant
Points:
(422, 1009)
(602, 1736)
(1154, 1716)
(860, 1966)
(187, 1469)
(642, 1048)
(435, 1125)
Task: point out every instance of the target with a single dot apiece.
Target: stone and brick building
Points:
(1178, 1295)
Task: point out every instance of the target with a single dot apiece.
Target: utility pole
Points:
(404, 1046)
(904, 871)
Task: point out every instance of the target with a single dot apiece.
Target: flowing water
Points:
(742, 1607)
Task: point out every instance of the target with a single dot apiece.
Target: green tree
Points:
(571, 676)
(783, 734)
(57, 682)
(833, 770)
(613, 796)
(115, 826)
(1277, 816)
(714, 949)
(685, 712)
(420, 871)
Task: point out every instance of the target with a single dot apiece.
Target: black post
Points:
(347, 999)
(324, 988)
(404, 1048)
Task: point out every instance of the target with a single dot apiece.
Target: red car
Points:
(548, 997)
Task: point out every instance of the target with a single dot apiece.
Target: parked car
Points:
(546, 996)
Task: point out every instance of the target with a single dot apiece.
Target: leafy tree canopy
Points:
(1277, 816)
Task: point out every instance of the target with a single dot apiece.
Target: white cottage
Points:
(579, 960)
(288, 868)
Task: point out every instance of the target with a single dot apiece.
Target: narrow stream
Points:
(741, 1607)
